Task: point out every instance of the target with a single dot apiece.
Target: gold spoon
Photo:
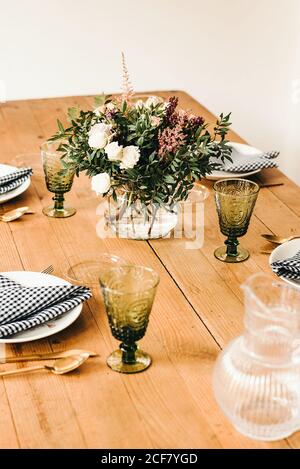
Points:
(14, 214)
(46, 356)
(270, 184)
(278, 239)
(58, 367)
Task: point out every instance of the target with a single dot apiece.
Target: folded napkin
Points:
(288, 268)
(22, 307)
(242, 163)
(13, 180)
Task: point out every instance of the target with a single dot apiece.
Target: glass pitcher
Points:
(257, 376)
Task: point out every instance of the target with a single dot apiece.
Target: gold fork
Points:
(48, 270)
(279, 239)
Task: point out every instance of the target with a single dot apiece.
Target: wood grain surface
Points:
(198, 309)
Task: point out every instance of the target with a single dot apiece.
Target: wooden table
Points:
(198, 309)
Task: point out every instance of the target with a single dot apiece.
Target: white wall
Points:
(231, 55)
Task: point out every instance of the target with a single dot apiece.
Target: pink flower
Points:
(170, 140)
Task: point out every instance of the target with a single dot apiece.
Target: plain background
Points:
(231, 55)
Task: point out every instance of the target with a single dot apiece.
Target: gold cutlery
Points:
(278, 239)
(47, 356)
(14, 214)
(270, 184)
(28, 211)
(58, 367)
(48, 270)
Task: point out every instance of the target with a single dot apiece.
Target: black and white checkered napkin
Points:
(244, 163)
(288, 268)
(13, 180)
(22, 307)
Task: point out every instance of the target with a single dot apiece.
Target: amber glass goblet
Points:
(58, 180)
(128, 293)
(235, 200)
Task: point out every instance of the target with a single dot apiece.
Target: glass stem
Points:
(128, 352)
(58, 201)
(232, 244)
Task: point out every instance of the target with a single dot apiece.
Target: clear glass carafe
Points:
(257, 377)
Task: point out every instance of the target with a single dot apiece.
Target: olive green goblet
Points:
(128, 293)
(235, 200)
(58, 180)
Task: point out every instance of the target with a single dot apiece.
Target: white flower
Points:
(101, 183)
(153, 101)
(98, 140)
(131, 155)
(99, 135)
(110, 106)
(139, 104)
(114, 151)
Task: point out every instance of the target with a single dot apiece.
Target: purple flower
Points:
(170, 109)
(196, 121)
(110, 113)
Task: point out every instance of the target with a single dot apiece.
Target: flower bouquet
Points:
(143, 155)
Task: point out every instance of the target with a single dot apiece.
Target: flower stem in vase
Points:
(132, 221)
(154, 212)
(121, 211)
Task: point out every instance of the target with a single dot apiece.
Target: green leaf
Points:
(124, 106)
(60, 126)
(99, 100)
(169, 179)
(73, 114)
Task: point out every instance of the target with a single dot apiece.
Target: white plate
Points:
(240, 149)
(4, 170)
(284, 251)
(37, 279)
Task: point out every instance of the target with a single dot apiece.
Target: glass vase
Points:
(135, 220)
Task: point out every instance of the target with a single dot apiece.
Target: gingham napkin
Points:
(243, 163)
(288, 268)
(13, 180)
(22, 307)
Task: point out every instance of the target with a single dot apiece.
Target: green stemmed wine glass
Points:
(128, 293)
(235, 200)
(58, 180)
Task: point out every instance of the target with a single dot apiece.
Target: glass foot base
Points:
(143, 360)
(242, 255)
(274, 437)
(63, 213)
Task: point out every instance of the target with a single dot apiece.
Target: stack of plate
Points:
(285, 251)
(4, 170)
(239, 151)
